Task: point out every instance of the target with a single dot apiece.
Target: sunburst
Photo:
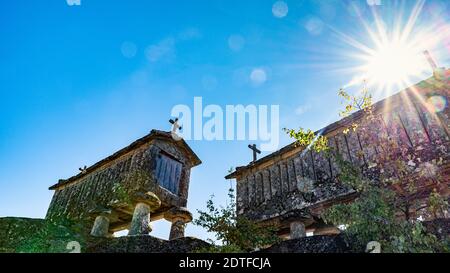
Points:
(393, 58)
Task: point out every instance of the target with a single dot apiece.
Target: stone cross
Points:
(255, 150)
(430, 60)
(175, 125)
(83, 170)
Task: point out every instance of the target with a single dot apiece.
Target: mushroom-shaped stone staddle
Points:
(148, 198)
(180, 213)
(103, 216)
(102, 211)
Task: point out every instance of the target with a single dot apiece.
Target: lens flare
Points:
(437, 103)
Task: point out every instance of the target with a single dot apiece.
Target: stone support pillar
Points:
(179, 218)
(177, 229)
(297, 230)
(100, 227)
(102, 218)
(140, 223)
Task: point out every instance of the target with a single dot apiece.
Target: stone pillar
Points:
(177, 229)
(297, 230)
(100, 227)
(140, 224)
(179, 216)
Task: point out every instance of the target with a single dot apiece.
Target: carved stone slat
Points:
(322, 167)
(284, 178)
(298, 167)
(368, 135)
(396, 129)
(433, 124)
(275, 180)
(308, 168)
(259, 188)
(251, 189)
(341, 143)
(267, 184)
(292, 175)
(242, 195)
(333, 153)
(412, 123)
(354, 147)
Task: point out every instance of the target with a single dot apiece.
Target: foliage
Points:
(236, 233)
(353, 103)
(373, 217)
(308, 138)
(393, 186)
(53, 236)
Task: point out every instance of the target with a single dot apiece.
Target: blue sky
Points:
(78, 83)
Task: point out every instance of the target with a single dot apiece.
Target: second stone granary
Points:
(143, 182)
(291, 187)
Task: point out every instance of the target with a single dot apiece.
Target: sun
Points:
(389, 56)
(394, 62)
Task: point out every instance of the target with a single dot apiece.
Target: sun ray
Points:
(412, 20)
(390, 55)
(353, 42)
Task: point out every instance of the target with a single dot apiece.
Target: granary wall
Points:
(293, 179)
(109, 185)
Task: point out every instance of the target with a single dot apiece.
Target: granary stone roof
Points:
(154, 134)
(439, 79)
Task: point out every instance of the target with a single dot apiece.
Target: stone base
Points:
(145, 244)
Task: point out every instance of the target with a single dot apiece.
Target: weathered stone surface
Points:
(140, 224)
(177, 229)
(145, 244)
(259, 188)
(284, 178)
(275, 180)
(313, 244)
(267, 185)
(42, 236)
(251, 190)
(100, 227)
(297, 230)
(292, 175)
(242, 196)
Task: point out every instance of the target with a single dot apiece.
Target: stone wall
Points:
(42, 236)
(145, 244)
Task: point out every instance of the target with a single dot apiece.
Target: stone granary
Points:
(143, 182)
(291, 187)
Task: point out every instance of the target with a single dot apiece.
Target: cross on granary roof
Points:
(255, 150)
